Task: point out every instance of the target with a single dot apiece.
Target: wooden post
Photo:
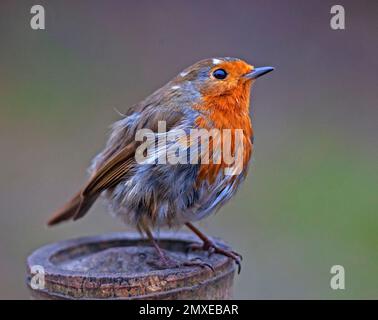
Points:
(124, 266)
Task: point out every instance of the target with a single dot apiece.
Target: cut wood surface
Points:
(126, 266)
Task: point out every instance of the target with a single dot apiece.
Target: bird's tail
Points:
(73, 209)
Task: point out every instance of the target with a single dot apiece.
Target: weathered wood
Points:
(126, 266)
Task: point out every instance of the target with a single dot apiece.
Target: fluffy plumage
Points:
(150, 194)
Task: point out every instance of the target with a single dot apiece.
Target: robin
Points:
(148, 194)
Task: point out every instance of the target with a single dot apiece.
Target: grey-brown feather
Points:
(154, 194)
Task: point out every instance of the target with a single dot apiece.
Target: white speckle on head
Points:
(216, 61)
(184, 73)
(175, 87)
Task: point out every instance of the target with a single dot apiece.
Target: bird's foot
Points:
(211, 248)
(199, 263)
(166, 262)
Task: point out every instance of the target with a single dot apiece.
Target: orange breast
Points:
(225, 112)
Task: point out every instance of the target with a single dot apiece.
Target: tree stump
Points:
(125, 266)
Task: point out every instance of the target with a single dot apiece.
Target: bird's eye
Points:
(220, 74)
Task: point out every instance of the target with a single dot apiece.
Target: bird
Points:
(148, 192)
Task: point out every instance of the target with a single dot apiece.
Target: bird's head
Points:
(220, 76)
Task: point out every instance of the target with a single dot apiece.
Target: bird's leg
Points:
(169, 262)
(210, 246)
(160, 252)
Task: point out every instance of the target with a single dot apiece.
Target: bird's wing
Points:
(120, 152)
(117, 160)
(110, 173)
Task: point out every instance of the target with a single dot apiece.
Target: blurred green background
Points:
(311, 198)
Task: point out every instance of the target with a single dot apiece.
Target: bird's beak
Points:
(258, 72)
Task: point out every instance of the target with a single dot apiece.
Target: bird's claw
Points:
(199, 263)
(212, 248)
(167, 262)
